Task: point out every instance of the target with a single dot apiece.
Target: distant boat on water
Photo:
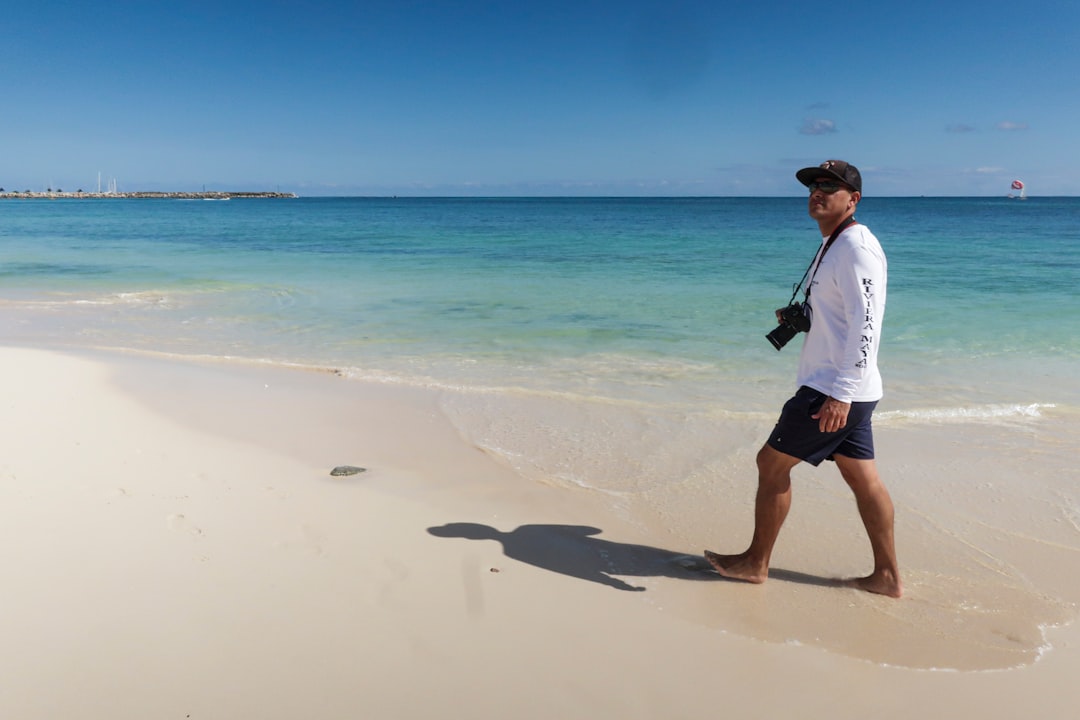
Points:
(1018, 185)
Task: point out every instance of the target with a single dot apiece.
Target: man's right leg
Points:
(770, 509)
(876, 510)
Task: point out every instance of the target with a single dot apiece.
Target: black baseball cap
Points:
(843, 171)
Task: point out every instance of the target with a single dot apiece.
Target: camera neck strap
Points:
(818, 257)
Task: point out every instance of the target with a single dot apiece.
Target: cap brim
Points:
(809, 174)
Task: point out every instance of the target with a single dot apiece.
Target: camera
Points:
(793, 320)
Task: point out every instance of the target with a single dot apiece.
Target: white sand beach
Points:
(174, 546)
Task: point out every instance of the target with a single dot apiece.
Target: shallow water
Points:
(604, 297)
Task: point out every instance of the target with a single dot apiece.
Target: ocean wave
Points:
(977, 413)
(123, 298)
(130, 299)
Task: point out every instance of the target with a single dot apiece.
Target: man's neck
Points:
(828, 227)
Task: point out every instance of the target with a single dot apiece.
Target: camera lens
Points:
(780, 335)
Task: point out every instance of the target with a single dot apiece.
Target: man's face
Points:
(831, 200)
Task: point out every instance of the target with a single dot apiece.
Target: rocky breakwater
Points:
(205, 195)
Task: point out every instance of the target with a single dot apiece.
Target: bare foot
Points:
(881, 583)
(737, 567)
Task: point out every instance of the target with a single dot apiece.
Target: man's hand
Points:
(832, 416)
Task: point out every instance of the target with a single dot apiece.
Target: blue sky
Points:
(540, 98)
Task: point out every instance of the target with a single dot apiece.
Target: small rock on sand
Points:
(341, 470)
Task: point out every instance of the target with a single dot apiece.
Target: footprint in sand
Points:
(179, 523)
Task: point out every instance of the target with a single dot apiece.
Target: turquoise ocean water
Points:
(628, 298)
(616, 347)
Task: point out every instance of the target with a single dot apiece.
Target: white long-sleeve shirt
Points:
(847, 300)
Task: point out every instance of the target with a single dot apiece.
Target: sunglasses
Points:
(826, 187)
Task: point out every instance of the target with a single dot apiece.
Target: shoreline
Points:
(203, 195)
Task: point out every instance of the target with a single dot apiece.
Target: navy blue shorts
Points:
(799, 435)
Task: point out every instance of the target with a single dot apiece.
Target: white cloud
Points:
(813, 126)
(1010, 126)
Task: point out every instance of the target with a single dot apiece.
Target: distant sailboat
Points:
(1017, 185)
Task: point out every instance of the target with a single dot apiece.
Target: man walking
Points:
(838, 386)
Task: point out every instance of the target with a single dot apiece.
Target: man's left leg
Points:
(876, 511)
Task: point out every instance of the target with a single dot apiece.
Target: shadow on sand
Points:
(572, 550)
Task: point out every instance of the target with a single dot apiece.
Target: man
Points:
(839, 386)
